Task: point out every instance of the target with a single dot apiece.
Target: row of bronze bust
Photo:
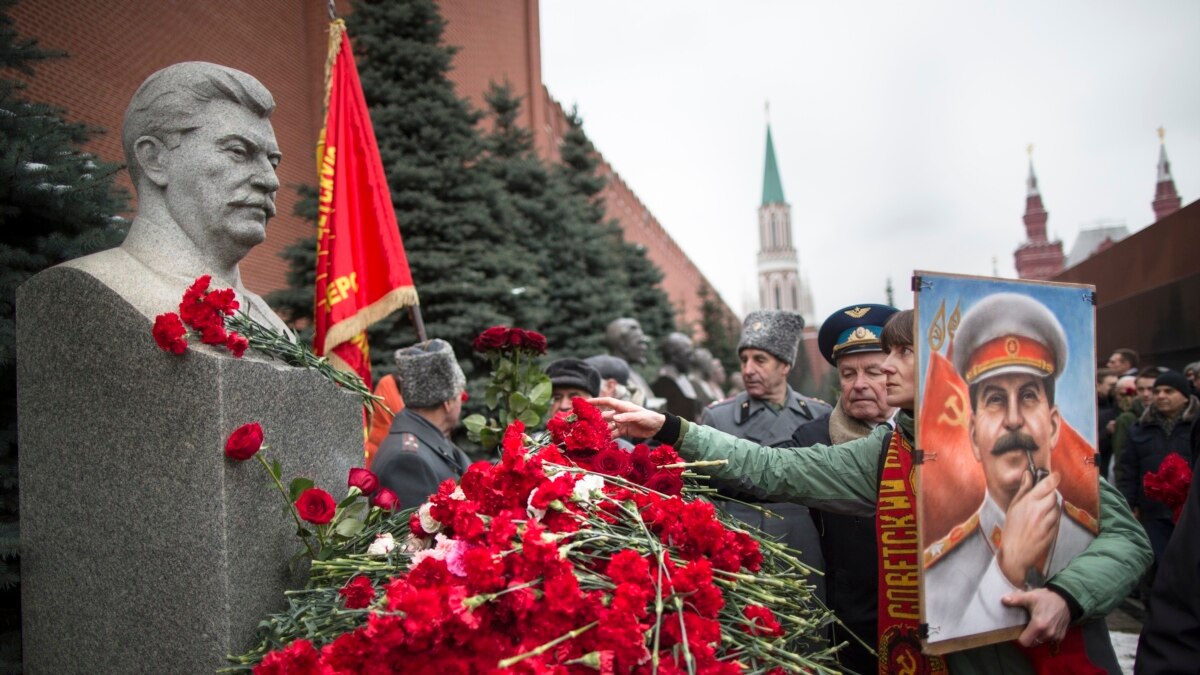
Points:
(690, 378)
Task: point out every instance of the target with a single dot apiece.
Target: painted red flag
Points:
(362, 271)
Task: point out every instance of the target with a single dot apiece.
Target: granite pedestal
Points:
(143, 548)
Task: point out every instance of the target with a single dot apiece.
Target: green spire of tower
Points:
(772, 187)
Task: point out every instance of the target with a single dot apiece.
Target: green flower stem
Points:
(287, 498)
(542, 649)
(276, 345)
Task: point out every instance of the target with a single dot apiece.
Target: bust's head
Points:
(202, 153)
(624, 338)
(677, 351)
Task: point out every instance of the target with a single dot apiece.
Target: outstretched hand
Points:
(629, 419)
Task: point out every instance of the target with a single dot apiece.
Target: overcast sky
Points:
(900, 128)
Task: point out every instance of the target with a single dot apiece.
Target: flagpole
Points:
(414, 311)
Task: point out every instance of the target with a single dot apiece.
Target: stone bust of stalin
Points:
(202, 155)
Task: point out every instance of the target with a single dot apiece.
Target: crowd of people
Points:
(815, 476)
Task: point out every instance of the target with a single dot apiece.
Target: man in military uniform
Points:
(417, 454)
(849, 340)
(768, 413)
(1009, 350)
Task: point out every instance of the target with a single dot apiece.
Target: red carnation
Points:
(762, 621)
(236, 344)
(534, 341)
(491, 339)
(316, 506)
(222, 300)
(358, 593)
(516, 337)
(363, 479)
(170, 333)
(1170, 484)
(299, 658)
(244, 442)
(386, 500)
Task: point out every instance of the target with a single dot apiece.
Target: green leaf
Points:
(303, 533)
(517, 402)
(298, 486)
(325, 553)
(491, 397)
(474, 423)
(276, 469)
(349, 527)
(540, 394)
(529, 418)
(489, 438)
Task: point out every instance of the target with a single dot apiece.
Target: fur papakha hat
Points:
(774, 331)
(428, 374)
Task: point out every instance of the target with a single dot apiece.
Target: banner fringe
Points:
(346, 329)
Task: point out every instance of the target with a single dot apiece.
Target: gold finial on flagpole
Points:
(1162, 134)
(1029, 149)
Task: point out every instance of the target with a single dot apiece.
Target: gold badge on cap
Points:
(857, 312)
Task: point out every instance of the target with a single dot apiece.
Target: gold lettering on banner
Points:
(324, 235)
(898, 547)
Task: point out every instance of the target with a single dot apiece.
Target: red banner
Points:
(362, 271)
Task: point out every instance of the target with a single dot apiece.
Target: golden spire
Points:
(1029, 149)
(1162, 133)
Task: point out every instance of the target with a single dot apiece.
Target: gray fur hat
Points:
(428, 373)
(1009, 333)
(774, 331)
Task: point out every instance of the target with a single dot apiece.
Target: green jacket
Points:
(844, 478)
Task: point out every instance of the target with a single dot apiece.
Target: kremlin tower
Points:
(779, 283)
(1166, 199)
(1037, 258)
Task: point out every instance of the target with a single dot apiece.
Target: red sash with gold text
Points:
(899, 590)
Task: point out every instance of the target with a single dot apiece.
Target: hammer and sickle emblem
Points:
(908, 664)
(955, 413)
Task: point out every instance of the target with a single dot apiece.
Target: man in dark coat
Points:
(768, 413)
(1164, 428)
(417, 454)
(1170, 642)
(849, 339)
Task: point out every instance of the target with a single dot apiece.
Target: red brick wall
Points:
(115, 44)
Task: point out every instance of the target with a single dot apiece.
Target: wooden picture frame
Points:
(1005, 391)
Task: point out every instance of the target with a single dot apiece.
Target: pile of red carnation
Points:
(204, 311)
(535, 565)
(1171, 483)
(505, 339)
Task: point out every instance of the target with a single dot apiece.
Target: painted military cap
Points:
(1009, 333)
(774, 331)
(428, 373)
(852, 330)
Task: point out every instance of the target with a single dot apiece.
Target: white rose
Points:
(428, 523)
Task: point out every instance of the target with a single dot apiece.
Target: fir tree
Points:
(466, 259)
(721, 331)
(600, 246)
(56, 203)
